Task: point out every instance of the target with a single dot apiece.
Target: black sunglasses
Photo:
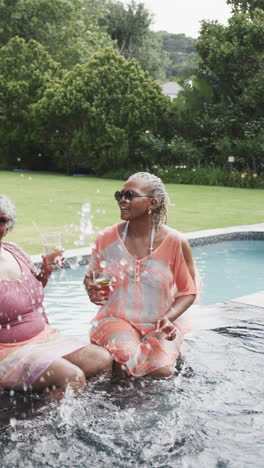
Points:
(128, 195)
(3, 220)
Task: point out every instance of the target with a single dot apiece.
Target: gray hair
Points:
(157, 189)
(8, 209)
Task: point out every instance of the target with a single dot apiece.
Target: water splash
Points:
(86, 225)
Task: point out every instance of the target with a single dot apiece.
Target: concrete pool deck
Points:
(209, 236)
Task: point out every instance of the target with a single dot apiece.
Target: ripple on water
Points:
(209, 414)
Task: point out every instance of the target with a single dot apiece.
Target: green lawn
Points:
(54, 203)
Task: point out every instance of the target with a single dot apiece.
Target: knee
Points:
(163, 372)
(76, 378)
(105, 362)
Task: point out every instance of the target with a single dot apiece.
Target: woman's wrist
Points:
(45, 269)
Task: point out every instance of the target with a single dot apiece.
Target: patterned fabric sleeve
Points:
(182, 277)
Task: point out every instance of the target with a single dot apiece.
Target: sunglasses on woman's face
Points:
(3, 220)
(128, 195)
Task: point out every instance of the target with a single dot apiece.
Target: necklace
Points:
(152, 236)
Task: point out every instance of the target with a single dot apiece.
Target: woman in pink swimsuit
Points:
(33, 355)
(141, 322)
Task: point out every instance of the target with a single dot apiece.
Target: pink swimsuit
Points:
(22, 314)
(143, 293)
(28, 344)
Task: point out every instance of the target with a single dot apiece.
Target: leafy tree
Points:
(26, 70)
(68, 29)
(246, 6)
(182, 54)
(127, 25)
(151, 57)
(93, 118)
(231, 60)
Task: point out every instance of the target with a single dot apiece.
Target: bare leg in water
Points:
(72, 369)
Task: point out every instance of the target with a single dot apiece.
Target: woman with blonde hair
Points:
(141, 321)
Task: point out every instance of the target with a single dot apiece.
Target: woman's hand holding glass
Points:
(53, 251)
(53, 261)
(99, 287)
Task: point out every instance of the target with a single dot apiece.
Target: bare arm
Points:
(187, 253)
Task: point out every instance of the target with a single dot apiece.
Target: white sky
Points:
(184, 16)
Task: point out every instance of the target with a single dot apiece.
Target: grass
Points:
(54, 203)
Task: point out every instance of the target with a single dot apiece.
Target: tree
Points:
(182, 54)
(128, 26)
(151, 57)
(232, 60)
(68, 29)
(26, 70)
(93, 117)
(246, 6)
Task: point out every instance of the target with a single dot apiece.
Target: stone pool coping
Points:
(209, 236)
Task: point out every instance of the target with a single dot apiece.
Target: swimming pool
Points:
(209, 414)
(229, 269)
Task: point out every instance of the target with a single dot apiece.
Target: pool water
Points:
(209, 414)
(230, 269)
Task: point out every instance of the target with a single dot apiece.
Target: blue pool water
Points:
(230, 269)
(209, 414)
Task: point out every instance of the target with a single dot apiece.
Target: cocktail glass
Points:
(102, 279)
(51, 243)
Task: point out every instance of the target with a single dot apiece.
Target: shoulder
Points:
(173, 235)
(179, 239)
(107, 234)
(16, 250)
(12, 246)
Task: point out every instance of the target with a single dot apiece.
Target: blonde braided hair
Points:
(158, 191)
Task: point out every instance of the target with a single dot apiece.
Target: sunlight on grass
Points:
(54, 203)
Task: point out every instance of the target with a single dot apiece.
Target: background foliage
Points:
(80, 91)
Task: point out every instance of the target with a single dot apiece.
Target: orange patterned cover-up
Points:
(144, 291)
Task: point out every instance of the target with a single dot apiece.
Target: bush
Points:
(208, 176)
(203, 176)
